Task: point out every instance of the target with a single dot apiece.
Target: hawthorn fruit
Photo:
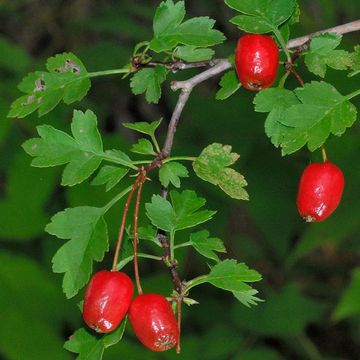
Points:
(320, 190)
(153, 322)
(107, 300)
(256, 61)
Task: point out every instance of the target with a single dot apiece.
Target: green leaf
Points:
(109, 176)
(187, 207)
(306, 116)
(229, 275)
(322, 111)
(86, 230)
(148, 233)
(83, 152)
(149, 81)
(212, 166)
(349, 303)
(144, 127)
(67, 79)
(171, 172)
(143, 146)
(193, 53)
(169, 30)
(355, 61)
(322, 53)
(168, 16)
(275, 102)
(161, 213)
(261, 16)
(247, 297)
(205, 245)
(183, 211)
(90, 346)
(229, 84)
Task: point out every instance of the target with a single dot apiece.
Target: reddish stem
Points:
(136, 235)
(298, 77)
(123, 221)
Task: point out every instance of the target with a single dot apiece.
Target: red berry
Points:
(107, 300)
(256, 61)
(153, 322)
(320, 190)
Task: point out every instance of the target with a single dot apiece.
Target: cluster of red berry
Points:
(322, 184)
(108, 298)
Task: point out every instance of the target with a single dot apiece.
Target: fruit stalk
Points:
(136, 235)
(122, 226)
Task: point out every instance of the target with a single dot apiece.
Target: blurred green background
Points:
(310, 312)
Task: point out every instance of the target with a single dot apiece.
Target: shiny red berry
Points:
(320, 190)
(153, 322)
(107, 300)
(256, 61)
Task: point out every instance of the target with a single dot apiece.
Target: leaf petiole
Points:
(180, 158)
(113, 201)
(107, 72)
(353, 94)
(282, 43)
(188, 243)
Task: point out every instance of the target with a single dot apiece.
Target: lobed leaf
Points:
(205, 245)
(306, 116)
(109, 176)
(144, 127)
(66, 79)
(247, 297)
(86, 230)
(212, 166)
(322, 54)
(82, 153)
(143, 146)
(89, 346)
(171, 172)
(261, 16)
(183, 212)
(229, 275)
(170, 30)
(149, 81)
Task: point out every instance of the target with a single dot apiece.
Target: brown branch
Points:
(164, 241)
(340, 29)
(171, 65)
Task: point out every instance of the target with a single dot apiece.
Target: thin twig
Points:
(340, 29)
(186, 88)
(122, 226)
(178, 309)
